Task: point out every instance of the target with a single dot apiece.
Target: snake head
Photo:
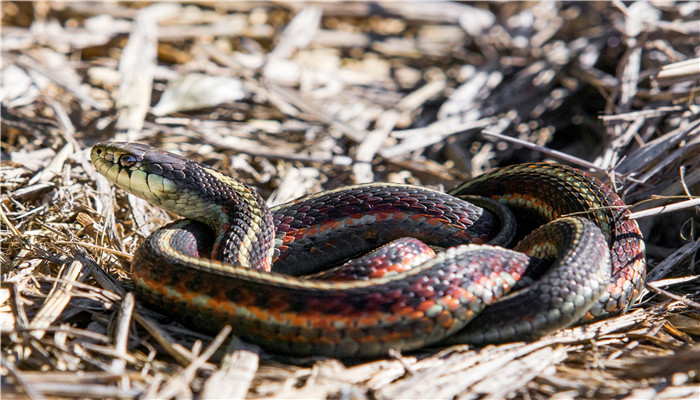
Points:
(141, 170)
(181, 186)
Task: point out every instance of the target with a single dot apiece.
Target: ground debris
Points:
(312, 96)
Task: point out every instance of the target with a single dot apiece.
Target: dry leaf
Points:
(196, 91)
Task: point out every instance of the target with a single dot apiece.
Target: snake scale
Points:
(233, 260)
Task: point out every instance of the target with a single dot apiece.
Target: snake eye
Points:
(127, 160)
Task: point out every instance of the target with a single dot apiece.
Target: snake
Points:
(511, 255)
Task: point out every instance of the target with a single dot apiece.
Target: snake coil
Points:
(235, 261)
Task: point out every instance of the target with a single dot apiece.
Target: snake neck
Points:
(246, 236)
(239, 216)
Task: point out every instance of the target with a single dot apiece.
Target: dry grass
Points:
(298, 98)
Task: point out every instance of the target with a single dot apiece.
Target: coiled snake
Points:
(235, 261)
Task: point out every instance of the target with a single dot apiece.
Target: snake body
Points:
(235, 261)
